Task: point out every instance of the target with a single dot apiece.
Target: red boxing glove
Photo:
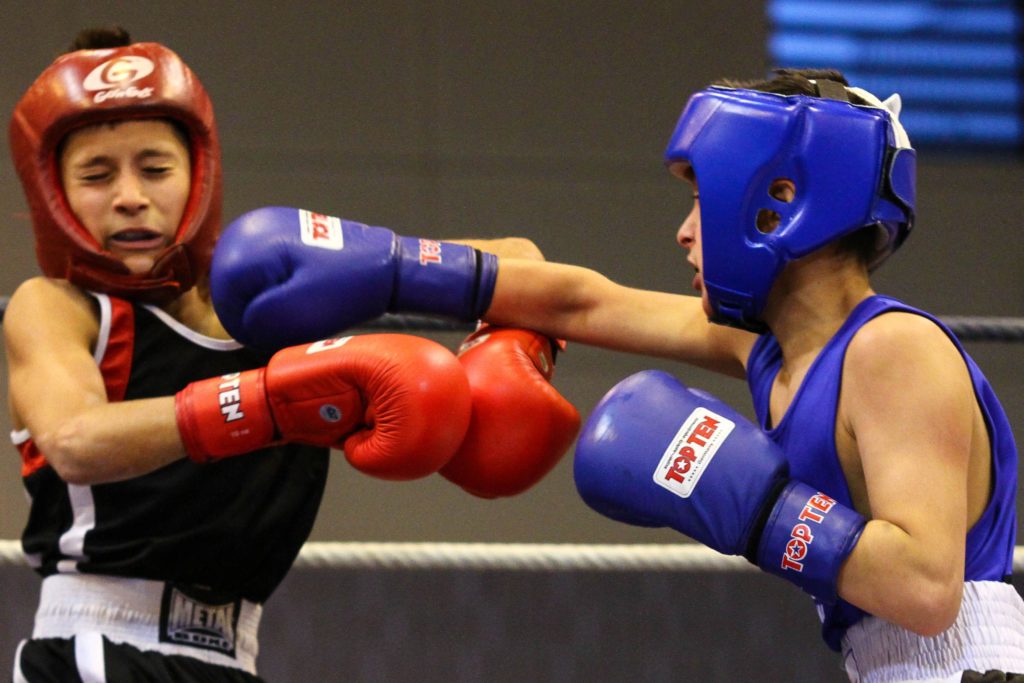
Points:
(398, 405)
(521, 425)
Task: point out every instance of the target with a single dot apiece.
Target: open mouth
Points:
(136, 239)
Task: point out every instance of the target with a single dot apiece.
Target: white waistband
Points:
(987, 634)
(129, 611)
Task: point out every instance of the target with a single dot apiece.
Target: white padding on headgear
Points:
(892, 104)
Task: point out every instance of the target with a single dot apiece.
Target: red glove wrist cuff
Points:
(224, 416)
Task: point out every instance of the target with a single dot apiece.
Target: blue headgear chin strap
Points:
(852, 166)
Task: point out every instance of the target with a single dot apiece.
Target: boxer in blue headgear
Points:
(845, 154)
(880, 476)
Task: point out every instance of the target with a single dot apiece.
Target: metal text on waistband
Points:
(187, 619)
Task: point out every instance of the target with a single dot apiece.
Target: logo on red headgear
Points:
(114, 78)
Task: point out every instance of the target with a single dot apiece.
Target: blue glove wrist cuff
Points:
(443, 278)
(806, 539)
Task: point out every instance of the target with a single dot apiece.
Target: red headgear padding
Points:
(143, 80)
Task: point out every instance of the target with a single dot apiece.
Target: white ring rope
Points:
(516, 556)
(506, 556)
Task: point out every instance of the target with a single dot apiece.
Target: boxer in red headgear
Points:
(135, 82)
(129, 399)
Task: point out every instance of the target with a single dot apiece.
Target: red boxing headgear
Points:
(143, 80)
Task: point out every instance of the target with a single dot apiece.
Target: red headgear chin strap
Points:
(143, 80)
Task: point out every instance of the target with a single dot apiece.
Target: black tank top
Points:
(233, 526)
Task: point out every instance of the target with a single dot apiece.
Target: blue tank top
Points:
(806, 434)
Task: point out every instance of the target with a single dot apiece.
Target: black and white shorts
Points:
(91, 658)
(115, 628)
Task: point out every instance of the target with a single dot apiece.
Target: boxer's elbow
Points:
(933, 604)
(70, 450)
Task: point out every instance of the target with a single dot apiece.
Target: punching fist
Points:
(284, 276)
(398, 405)
(655, 453)
(520, 425)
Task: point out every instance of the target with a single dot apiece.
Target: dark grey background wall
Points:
(484, 119)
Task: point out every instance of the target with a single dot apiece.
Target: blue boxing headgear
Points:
(852, 166)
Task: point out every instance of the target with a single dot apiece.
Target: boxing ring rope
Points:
(520, 557)
(682, 557)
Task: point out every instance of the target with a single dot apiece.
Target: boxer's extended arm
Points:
(909, 404)
(582, 305)
(57, 392)
(284, 276)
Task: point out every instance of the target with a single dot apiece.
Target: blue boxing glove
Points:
(655, 453)
(282, 276)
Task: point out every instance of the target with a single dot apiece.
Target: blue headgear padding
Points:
(841, 157)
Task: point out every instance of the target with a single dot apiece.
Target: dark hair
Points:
(99, 38)
(811, 82)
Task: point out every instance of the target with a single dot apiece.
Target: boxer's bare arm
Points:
(910, 409)
(57, 393)
(579, 304)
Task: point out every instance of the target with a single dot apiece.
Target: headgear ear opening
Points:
(852, 166)
(142, 80)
